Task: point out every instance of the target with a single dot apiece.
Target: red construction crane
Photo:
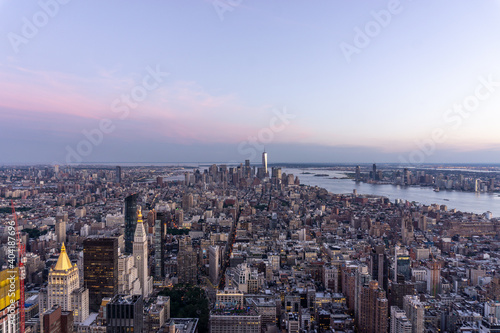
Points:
(22, 274)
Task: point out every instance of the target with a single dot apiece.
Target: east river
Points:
(463, 201)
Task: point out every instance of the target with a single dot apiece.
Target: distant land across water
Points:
(464, 201)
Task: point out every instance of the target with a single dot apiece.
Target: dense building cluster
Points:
(106, 245)
(465, 178)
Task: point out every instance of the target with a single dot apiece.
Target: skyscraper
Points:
(248, 169)
(60, 226)
(415, 312)
(187, 201)
(141, 256)
(402, 261)
(130, 221)
(433, 277)
(64, 288)
(373, 309)
(264, 162)
(187, 269)
(406, 176)
(118, 176)
(276, 173)
(399, 289)
(60, 229)
(214, 263)
(159, 244)
(406, 230)
(100, 265)
(380, 266)
(9, 301)
(403, 266)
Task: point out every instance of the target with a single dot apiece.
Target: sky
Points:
(221, 80)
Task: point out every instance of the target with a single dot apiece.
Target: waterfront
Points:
(463, 201)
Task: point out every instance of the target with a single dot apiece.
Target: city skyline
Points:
(237, 249)
(337, 82)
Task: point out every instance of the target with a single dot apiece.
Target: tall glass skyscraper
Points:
(118, 176)
(100, 269)
(159, 243)
(264, 162)
(130, 221)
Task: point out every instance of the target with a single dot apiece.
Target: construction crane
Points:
(21, 261)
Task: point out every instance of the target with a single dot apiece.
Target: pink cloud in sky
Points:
(46, 93)
(180, 111)
(26, 98)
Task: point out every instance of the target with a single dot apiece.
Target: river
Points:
(464, 201)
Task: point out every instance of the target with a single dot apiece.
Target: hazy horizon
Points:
(290, 164)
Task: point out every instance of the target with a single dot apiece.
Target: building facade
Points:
(100, 265)
(141, 255)
(130, 221)
(224, 321)
(64, 289)
(125, 314)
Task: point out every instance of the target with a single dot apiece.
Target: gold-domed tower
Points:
(64, 288)
(141, 256)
